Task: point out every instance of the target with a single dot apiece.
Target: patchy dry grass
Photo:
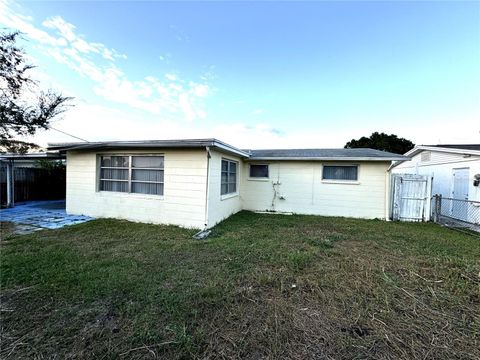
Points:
(6, 228)
(262, 286)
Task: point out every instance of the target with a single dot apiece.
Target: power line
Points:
(63, 132)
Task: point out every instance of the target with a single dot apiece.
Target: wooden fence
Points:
(34, 184)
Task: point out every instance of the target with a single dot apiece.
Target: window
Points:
(346, 173)
(141, 174)
(258, 171)
(229, 177)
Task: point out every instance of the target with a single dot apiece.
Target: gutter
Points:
(263, 158)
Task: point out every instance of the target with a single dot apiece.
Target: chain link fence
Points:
(456, 212)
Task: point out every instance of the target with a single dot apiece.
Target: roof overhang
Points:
(248, 155)
(54, 155)
(419, 148)
(153, 144)
(286, 158)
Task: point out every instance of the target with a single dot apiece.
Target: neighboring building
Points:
(453, 167)
(198, 183)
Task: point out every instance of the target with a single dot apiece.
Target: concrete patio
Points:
(37, 215)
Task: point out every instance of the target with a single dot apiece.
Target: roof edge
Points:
(323, 158)
(174, 143)
(419, 148)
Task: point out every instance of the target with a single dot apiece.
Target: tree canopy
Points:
(23, 107)
(382, 141)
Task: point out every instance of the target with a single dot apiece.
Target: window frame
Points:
(258, 178)
(130, 169)
(341, 181)
(234, 193)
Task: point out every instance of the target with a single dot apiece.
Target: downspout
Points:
(388, 195)
(207, 186)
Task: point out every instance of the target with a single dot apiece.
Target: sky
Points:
(256, 74)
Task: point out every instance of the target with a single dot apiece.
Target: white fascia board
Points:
(449, 150)
(28, 156)
(230, 149)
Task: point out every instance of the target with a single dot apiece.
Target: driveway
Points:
(37, 215)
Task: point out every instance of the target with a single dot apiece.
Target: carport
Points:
(10, 159)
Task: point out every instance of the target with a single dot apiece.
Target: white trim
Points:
(343, 182)
(419, 148)
(237, 177)
(130, 169)
(231, 149)
(229, 196)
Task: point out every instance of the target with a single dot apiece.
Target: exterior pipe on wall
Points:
(207, 186)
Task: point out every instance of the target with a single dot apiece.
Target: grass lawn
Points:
(261, 286)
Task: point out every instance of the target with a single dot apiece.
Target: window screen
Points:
(258, 171)
(349, 173)
(131, 173)
(228, 177)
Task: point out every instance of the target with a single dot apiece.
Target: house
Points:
(455, 173)
(198, 183)
(453, 168)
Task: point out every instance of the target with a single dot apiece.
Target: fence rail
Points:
(456, 212)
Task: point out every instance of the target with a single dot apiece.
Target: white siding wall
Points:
(183, 202)
(305, 193)
(220, 207)
(441, 167)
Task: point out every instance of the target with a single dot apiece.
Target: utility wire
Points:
(63, 132)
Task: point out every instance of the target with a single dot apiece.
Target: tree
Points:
(382, 141)
(23, 109)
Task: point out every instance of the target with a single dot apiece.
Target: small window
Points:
(345, 173)
(258, 171)
(425, 156)
(229, 177)
(134, 174)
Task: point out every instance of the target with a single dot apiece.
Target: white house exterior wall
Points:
(304, 192)
(183, 203)
(189, 201)
(220, 207)
(441, 166)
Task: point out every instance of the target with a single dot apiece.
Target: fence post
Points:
(438, 207)
(10, 184)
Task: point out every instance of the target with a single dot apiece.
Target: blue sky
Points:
(258, 74)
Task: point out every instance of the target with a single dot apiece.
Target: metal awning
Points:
(51, 155)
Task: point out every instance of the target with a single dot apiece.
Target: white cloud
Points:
(97, 62)
(170, 77)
